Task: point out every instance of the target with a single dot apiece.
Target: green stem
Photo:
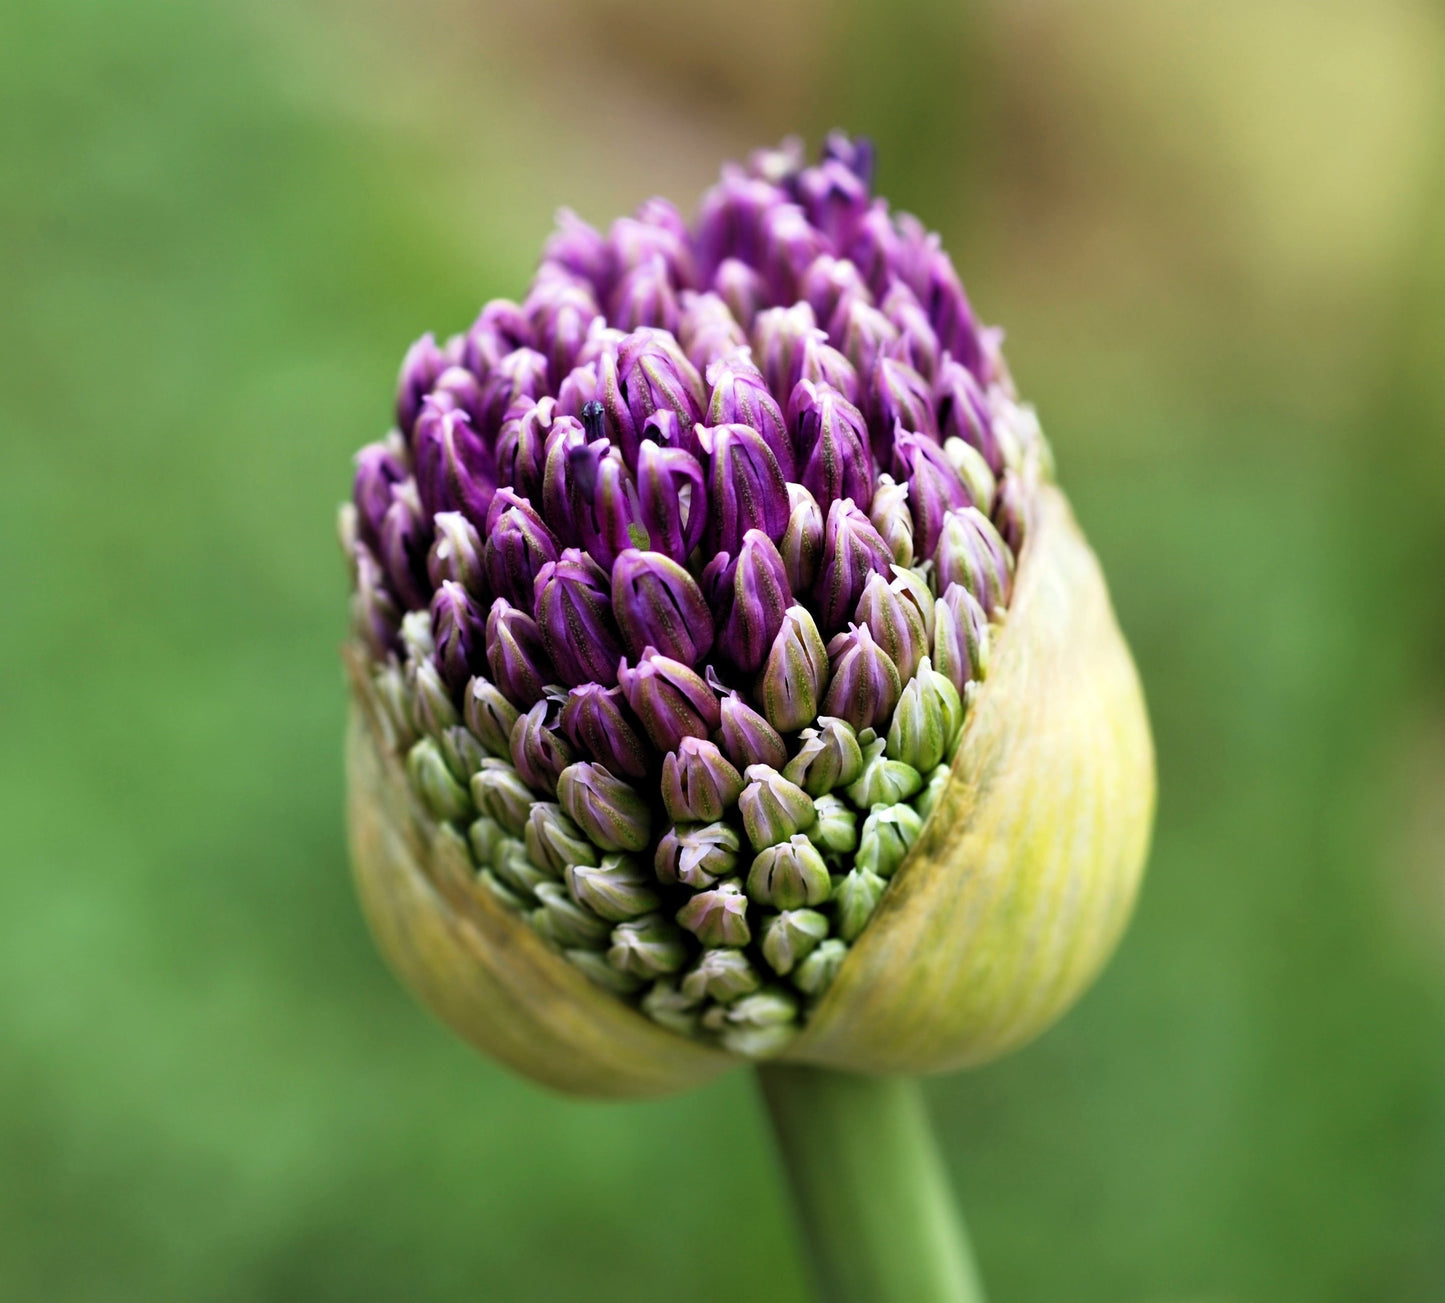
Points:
(870, 1191)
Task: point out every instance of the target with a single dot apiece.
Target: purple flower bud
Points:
(718, 916)
(522, 373)
(598, 721)
(1009, 510)
(602, 501)
(865, 685)
(778, 333)
(852, 549)
(790, 243)
(740, 396)
(652, 375)
(892, 519)
(960, 637)
(698, 783)
(658, 604)
(454, 469)
(746, 488)
(522, 447)
(458, 389)
(378, 471)
(518, 546)
(971, 552)
(917, 343)
(730, 220)
(697, 857)
(796, 673)
(671, 700)
(832, 442)
(773, 807)
(539, 751)
(657, 231)
(830, 283)
(565, 438)
(574, 614)
(707, 330)
(582, 385)
(374, 612)
(420, 368)
(898, 396)
(779, 164)
(742, 289)
(746, 737)
(834, 197)
(819, 363)
(855, 153)
(515, 654)
(432, 706)
(949, 310)
(934, 486)
(875, 246)
(607, 809)
(963, 411)
(581, 250)
(645, 297)
(502, 328)
(562, 311)
(979, 481)
(757, 595)
(897, 625)
(802, 544)
(403, 543)
(672, 493)
(460, 633)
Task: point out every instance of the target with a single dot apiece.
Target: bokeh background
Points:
(1214, 230)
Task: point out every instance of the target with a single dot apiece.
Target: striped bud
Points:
(574, 616)
(608, 810)
(672, 700)
(719, 915)
(698, 783)
(796, 673)
(697, 856)
(789, 875)
(658, 604)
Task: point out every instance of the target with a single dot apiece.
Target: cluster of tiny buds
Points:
(678, 577)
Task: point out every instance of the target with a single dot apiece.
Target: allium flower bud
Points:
(900, 397)
(864, 683)
(500, 329)
(828, 756)
(746, 488)
(796, 672)
(773, 809)
(971, 553)
(789, 875)
(374, 612)
(552, 840)
(973, 470)
(917, 343)
(432, 780)
(521, 452)
(609, 812)
(852, 549)
(816, 973)
(597, 720)
(518, 546)
(540, 752)
(882, 780)
(672, 493)
(802, 544)
(824, 367)
(746, 737)
(790, 937)
(672, 700)
(565, 921)
(892, 519)
(598, 969)
(856, 898)
(500, 794)
(378, 471)
(835, 831)
(489, 716)
(934, 486)
(790, 244)
(863, 333)
(740, 396)
(888, 835)
(416, 635)
(830, 283)
(515, 654)
(834, 197)
(758, 1026)
(698, 783)
(897, 625)
(486, 838)
(453, 467)
(926, 723)
(653, 374)
(602, 501)
(723, 974)
(521, 374)
(580, 249)
(403, 543)
(456, 554)
(574, 616)
(431, 699)
(778, 334)
(933, 789)
(742, 289)
(459, 632)
(617, 889)
(658, 604)
(754, 594)
(719, 915)
(420, 368)
(1009, 510)
(963, 411)
(698, 856)
(832, 440)
(960, 637)
(708, 332)
(647, 947)
(666, 1004)
(462, 752)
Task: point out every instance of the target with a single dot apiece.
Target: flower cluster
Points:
(676, 578)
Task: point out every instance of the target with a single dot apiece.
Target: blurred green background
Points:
(1214, 230)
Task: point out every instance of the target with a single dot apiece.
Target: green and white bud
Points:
(892, 519)
(499, 792)
(490, 716)
(609, 811)
(835, 832)
(494, 886)
(595, 965)
(718, 916)
(928, 798)
(889, 832)
(789, 875)
(431, 699)
(790, 937)
(666, 1004)
(722, 974)
(565, 921)
(697, 856)
(973, 469)
(816, 973)
(773, 808)
(462, 752)
(759, 1025)
(829, 756)
(857, 896)
(486, 836)
(516, 869)
(395, 698)
(647, 947)
(416, 635)
(554, 841)
(617, 889)
(895, 621)
(431, 779)
(883, 781)
(926, 720)
(912, 584)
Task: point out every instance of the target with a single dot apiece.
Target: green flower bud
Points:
(554, 841)
(501, 893)
(773, 809)
(607, 810)
(395, 699)
(895, 621)
(723, 975)
(500, 793)
(789, 875)
(932, 792)
(926, 720)
(490, 716)
(665, 1003)
(699, 783)
(835, 831)
(647, 947)
(911, 584)
(617, 889)
(565, 921)
(462, 752)
(889, 832)
(697, 856)
(516, 868)
(718, 916)
(796, 672)
(790, 937)
(431, 779)
(892, 519)
(758, 1026)
(486, 837)
(974, 470)
(883, 781)
(596, 966)
(856, 897)
(829, 756)
(416, 637)
(816, 973)
(431, 699)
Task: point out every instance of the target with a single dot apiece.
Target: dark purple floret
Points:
(518, 545)
(540, 751)
(515, 654)
(459, 630)
(746, 488)
(574, 614)
(672, 492)
(597, 720)
(740, 396)
(852, 550)
(454, 468)
(672, 700)
(419, 370)
(963, 411)
(934, 486)
(657, 603)
(378, 471)
(753, 595)
(832, 445)
(403, 544)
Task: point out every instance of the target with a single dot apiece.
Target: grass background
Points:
(1214, 232)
